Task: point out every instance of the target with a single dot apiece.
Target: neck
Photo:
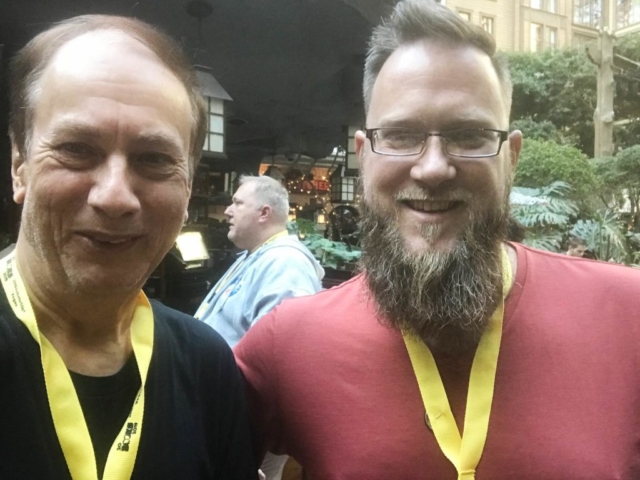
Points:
(266, 234)
(513, 260)
(91, 334)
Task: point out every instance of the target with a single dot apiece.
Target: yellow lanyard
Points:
(66, 411)
(225, 279)
(464, 453)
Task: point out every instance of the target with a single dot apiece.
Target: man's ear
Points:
(515, 146)
(360, 140)
(18, 175)
(266, 212)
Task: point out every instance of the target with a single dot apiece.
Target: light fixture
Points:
(214, 94)
(344, 178)
(343, 186)
(191, 247)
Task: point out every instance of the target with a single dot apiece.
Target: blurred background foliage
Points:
(560, 190)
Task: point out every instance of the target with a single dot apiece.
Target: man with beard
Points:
(107, 127)
(453, 353)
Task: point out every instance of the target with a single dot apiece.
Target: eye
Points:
(400, 139)
(76, 149)
(76, 154)
(470, 138)
(155, 159)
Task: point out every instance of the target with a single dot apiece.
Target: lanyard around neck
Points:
(271, 239)
(463, 452)
(234, 268)
(65, 407)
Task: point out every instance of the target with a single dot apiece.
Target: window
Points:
(465, 15)
(535, 37)
(214, 141)
(553, 37)
(548, 5)
(587, 12)
(628, 12)
(487, 24)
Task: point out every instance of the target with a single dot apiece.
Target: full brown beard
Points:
(444, 298)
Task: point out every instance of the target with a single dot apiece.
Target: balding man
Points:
(95, 381)
(272, 267)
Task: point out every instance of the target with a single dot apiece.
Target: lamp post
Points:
(603, 56)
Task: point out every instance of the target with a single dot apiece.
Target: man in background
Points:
(107, 127)
(272, 267)
(454, 353)
(576, 247)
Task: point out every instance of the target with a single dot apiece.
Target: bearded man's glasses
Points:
(465, 143)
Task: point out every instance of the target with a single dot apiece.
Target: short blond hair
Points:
(416, 20)
(269, 191)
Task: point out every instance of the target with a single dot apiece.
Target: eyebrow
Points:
(162, 139)
(454, 123)
(71, 127)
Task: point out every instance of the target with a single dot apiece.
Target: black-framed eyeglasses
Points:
(466, 143)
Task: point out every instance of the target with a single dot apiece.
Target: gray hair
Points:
(31, 61)
(415, 20)
(269, 192)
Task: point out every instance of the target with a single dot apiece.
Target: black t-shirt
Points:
(106, 403)
(195, 424)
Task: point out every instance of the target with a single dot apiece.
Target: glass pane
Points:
(216, 124)
(535, 37)
(216, 143)
(216, 106)
(206, 143)
(351, 147)
(487, 24)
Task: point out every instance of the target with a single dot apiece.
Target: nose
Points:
(227, 211)
(433, 168)
(113, 192)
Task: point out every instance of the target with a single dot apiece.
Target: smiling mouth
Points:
(430, 206)
(107, 240)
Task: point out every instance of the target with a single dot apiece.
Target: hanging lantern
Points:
(215, 96)
(343, 187)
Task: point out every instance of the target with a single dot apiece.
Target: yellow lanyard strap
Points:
(66, 411)
(463, 452)
(225, 278)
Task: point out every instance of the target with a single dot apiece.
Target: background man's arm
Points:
(277, 278)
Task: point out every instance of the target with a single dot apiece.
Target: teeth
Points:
(428, 206)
